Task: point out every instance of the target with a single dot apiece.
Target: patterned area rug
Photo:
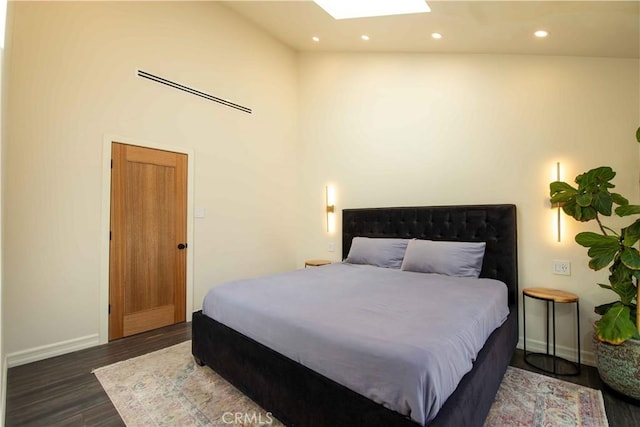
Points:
(529, 399)
(167, 388)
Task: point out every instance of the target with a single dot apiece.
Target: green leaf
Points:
(627, 210)
(588, 213)
(602, 202)
(598, 263)
(619, 200)
(621, 282)
(572, 209)
(561, 192)
(631, 234)
(595, 177)
(601, 256)
(620, 273)
(584, 179)
(603, 308)
(638, 134)
(602, 174)
(589, 239)
(559, 186)
(602, 285)
(615, 326)
(602, 249)
(630, 257)
(626, 291)
(562, 197)
(584, 200)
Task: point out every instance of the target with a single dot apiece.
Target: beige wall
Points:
(3, 62)
(3, 364)
(72, 79)
(403, 130)
(385, 129)
(3, 361)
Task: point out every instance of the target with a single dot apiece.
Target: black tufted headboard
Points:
(493, 224)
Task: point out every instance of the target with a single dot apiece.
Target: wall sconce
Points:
(558, 206)
(330, 208)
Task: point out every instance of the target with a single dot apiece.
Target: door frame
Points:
(105, 224)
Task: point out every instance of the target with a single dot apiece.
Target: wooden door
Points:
(147, 269)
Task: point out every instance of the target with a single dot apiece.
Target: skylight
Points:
(348, 9)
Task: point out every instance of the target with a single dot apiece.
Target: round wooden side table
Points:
(542, 361)
(316, 262)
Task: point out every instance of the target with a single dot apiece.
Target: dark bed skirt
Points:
(298, 396)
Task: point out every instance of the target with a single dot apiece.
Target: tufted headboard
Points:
(493, 224)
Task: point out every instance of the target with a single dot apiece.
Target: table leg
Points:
(547, 304)
(524, 324)
(555, 369)
(578, 319)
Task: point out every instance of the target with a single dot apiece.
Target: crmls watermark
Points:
(244, 418)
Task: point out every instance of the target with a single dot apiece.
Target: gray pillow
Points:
(386, 253)
(462, 259)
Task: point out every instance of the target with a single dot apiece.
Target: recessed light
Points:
(342, 9)
(541, 33)
(315, 39)
(364, 37)
(436, 35)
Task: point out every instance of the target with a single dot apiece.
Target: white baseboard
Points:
(569, 353)
(51, 350)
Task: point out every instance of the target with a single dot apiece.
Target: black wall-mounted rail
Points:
(192, 91)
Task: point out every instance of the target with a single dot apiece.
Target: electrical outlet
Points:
(331, 247)
(562, 267)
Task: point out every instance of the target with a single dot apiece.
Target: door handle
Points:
(182, 246)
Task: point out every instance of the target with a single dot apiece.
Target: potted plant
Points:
(616, 333)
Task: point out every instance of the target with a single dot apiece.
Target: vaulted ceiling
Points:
(576, 28)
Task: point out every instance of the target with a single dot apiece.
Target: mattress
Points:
(401, 339)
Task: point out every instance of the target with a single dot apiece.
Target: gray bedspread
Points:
(400, 338)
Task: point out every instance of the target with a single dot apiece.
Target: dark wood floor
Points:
(61, 391)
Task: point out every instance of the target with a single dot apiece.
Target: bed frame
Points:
(298, 396)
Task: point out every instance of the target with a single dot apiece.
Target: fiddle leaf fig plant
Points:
(591, 200)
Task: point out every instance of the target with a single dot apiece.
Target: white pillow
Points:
(386, 253)
(462, 259)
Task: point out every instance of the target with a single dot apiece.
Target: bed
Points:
(300, 396)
